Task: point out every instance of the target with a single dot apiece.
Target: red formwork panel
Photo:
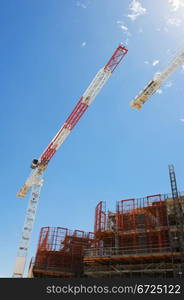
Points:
(142, 222)
(61, 250)
(100, 217)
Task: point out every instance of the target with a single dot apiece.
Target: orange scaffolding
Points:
(137, 221)
(100, 217)
(142, 222)
(140, 236)
(60, 252)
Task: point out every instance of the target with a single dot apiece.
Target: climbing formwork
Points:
(140, 239)
(60, 252)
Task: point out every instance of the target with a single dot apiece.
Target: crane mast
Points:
(156, 82)
(35, 180)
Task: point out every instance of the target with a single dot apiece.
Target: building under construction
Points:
(142, 238)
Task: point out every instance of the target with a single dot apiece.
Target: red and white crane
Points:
(35, 180)
(156, 82)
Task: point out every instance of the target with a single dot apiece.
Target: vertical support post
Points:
(100, 217)
(28, 227)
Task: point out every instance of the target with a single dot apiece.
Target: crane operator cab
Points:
(34, 164)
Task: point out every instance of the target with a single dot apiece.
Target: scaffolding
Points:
(143, 237)
(60, 252)
(100, 217)
(140, 239)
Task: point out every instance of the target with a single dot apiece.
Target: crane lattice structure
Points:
(157, 81)
(35, 180)
(177, 242)
(178, 210)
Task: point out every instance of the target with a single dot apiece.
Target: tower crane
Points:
(157, 81)
(35, 180)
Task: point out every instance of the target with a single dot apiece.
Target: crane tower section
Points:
(39, 165)
(156, 82)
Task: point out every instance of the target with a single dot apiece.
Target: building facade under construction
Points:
(142, 238)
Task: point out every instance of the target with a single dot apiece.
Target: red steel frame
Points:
(76, 114)
(116, 58)
(61, 250)
(71, 121)
(140, 223)
(143, 219)
(100, 217)
(141, 232)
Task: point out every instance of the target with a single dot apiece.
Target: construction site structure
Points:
(60, 252)
(35, 180)
(157, 81)
(140, 239)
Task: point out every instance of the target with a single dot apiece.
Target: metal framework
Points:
(60, 252)
(143, 222)
(137, 241)
(176, 200)
(28, 227)
(100, 217)
(177, 241)
(157, 81)
(40, 165)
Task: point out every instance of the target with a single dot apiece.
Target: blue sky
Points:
(50, 51)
